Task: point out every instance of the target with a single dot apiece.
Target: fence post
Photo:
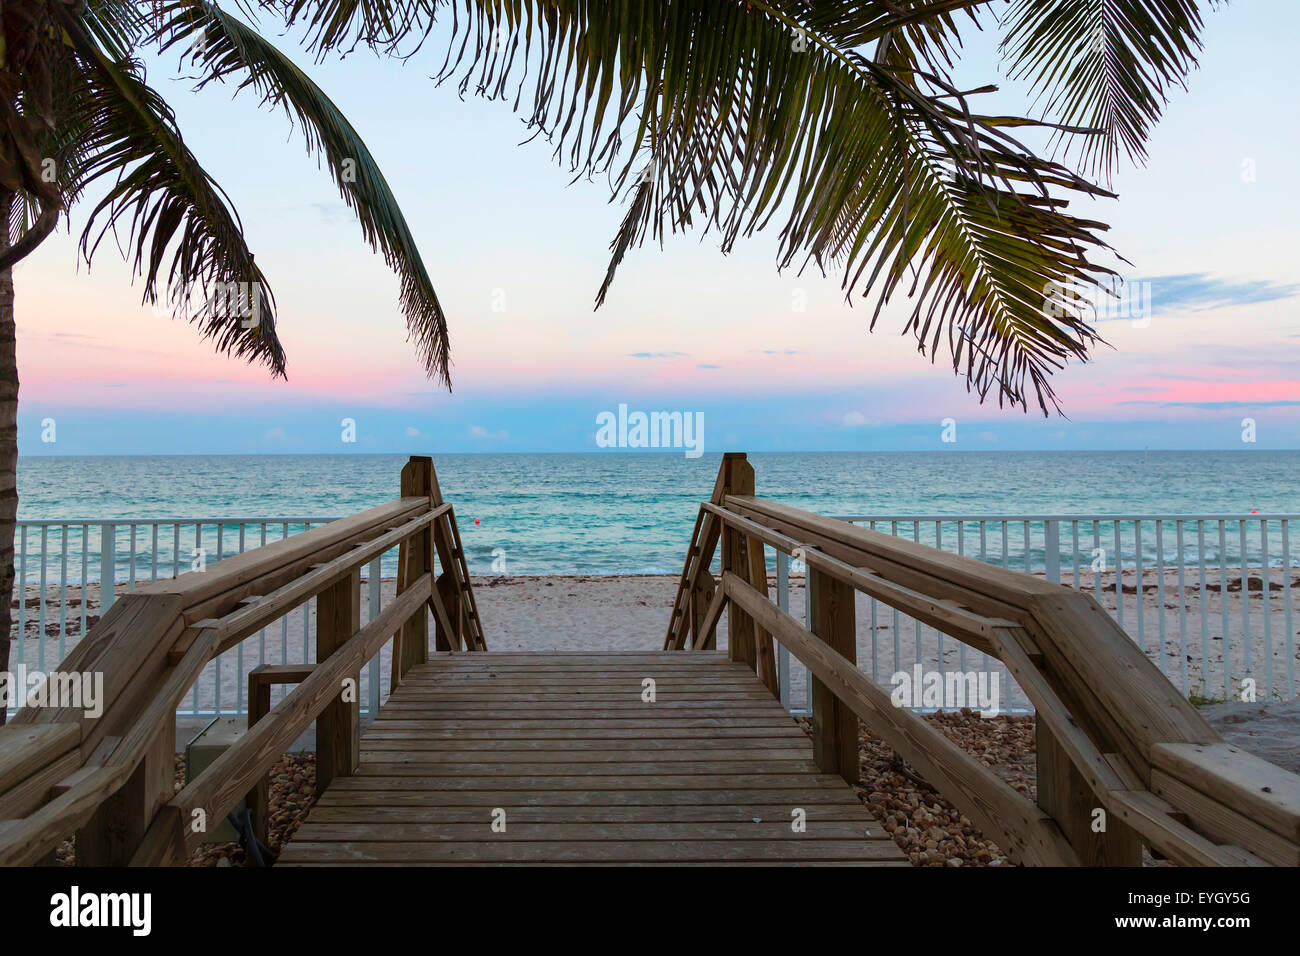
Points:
(1052, 549)
(118, 825)
(697, 607)
(738, 479)
(1064, 793)
(107, 565)
(457, 598)
(834, 725)
(338, 728)
(416, 559)
(449, 592)
(375, 575)
(765, 661)
(783, 602)
(258, 800)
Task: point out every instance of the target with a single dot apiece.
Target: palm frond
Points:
(927, 29)
(116, 26)
(1106, 65)
(742, 114)
(32, 201)
(182, 232)
(379, 25)
(225, 48)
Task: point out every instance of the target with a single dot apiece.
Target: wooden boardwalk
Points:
(562, 749)
(563, 758)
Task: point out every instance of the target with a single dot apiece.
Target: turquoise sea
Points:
(619, 512)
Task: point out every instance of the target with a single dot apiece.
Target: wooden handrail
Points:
(1114, 735)
(61, 771)
(971, 628)
(261, 570)
(251, 618)
(225, 781)
(1021, 828)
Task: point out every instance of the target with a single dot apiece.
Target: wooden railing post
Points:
(702, 592)
(448, 581)
(415, 558)
(737, 479)
(449, 592)
(258, 799)
(834, 724)
(765, 658)
(338, 728)
(111, 835)
(1099, 838)
(260, 681)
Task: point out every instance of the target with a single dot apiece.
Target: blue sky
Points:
(1210, 223)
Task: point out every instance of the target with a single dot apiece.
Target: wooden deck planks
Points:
(586, 771)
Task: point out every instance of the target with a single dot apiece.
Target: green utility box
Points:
(211, 743)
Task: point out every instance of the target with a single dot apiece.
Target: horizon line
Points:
(670, 452)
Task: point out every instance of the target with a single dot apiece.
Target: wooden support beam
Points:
(1099, 837)
(473, 623)
(698, 580)
(738, 479)
(707, 629)
(115, 829)
(416, 559)
(835, 725)
(764, 654)
(679, 624)
(460, 605)
(442, 620)
(699, 561)
(338, 728)
(704, 631)
(448, 635)
(258, 800)
(260, 681)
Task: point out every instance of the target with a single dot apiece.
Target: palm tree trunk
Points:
(8, 442)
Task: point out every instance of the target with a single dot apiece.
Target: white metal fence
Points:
(69, 572)
(1208, 597)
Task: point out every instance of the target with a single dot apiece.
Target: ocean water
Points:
(619, 513)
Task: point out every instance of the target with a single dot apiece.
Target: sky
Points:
(517, 252)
